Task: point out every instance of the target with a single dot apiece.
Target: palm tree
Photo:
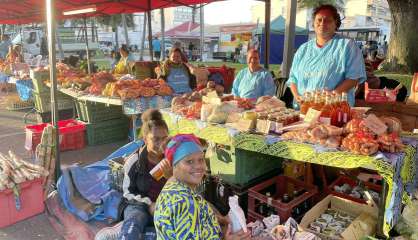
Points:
(114, 21)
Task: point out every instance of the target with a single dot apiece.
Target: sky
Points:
(232, 11)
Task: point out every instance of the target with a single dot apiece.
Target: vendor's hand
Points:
(298, 99)
(167, 169)
(241, 235)
(222, 220)
(151, 208)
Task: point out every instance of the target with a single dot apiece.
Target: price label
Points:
(264, 126)
(375, 124)
(312, 116)
(244, 125)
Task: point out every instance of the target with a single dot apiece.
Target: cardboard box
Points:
(364, 223)
(379, 95)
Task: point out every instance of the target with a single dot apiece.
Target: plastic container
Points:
(38, 78)
(278, 187)
(240, 167)
(92, 112)
(71, 135)
(63, 114)
(31, 203)
(346, 180)
(43, 101)
(107, 131)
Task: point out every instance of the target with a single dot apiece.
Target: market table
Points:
(398, 170)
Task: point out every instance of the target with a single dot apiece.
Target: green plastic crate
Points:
(107, 131)
(93, 112)
(38, 78)
(43, 101)
(240, 167)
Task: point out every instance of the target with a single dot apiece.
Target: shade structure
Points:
(28, 11)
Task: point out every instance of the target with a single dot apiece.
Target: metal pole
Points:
(289, 37)
(162, 34)
(267, 5)
(150, 33)
(125, 29)
(202, 32)
(51, 24)
(87, 45)
(144, 29)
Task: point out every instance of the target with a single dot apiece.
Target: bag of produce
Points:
(236, 215)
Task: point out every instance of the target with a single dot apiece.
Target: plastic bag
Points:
(236, 215)
(205, 112)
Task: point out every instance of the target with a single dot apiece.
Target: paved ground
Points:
(12, 136)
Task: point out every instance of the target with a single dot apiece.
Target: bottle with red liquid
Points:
(345, 108)
(306, 103)
(326, 112)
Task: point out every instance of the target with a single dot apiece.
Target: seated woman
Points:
(176, 73)
(140, 189)
(122, 67)
(180, 212)
(375, 82)
(15, 54)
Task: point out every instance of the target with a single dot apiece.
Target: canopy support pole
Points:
(289, 37)
(87, 45)
(202, 32)
(125, 29)
(144, 29)
(51, 24)
(267, 5)
(162, 35)
(150, 34)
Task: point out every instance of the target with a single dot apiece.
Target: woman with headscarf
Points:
(180, 212)
(122, 67)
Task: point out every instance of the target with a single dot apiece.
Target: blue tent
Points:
(277, 31)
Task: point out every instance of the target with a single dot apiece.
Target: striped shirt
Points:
(181, 213)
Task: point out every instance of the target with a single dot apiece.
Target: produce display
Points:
(14, 170)
(321, 134)
(331, 223)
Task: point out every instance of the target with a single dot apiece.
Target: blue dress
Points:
(316, 68)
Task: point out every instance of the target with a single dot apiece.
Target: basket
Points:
(92, 112)
(71, 135)
(38, 78)
(116, 173)
(107, 131)
(43, 102)
(278, 186)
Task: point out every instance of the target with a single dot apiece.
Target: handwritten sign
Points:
(375, 124)
(312, 116)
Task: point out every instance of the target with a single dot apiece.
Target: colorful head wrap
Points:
(181, 146)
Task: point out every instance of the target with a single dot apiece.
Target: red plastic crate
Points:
(31, 200)
(227, 73)
(71, 135)
(344, 179)
(278, 186)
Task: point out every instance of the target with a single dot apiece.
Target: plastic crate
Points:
(38, 78)
(228, 75)
(116, 173)
(217, 191)
(43, 102)
(107, 131)
(278, 186)
(344, 179)
(240, 167)
(93, 112)
(46, 117)
(31, 203)
(71, 135)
